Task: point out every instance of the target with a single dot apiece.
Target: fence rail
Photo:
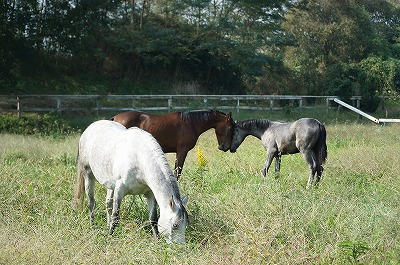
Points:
(96, 103)
(371, 118)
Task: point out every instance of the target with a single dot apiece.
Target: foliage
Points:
(336, 43)
(354, 250)
(382, 74)
(45, 125)
(165, 41)
(226, 47)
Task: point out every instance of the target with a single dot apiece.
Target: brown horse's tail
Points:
(80, 184)
(321, 148)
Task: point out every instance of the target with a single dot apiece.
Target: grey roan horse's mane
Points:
(198, 116)
(249, 125)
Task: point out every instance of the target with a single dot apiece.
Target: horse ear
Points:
(185, 200)
(229, 116)
(171, 202)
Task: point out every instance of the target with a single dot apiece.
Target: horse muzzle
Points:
(223, 148)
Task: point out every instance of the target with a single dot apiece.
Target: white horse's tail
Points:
(80, 184)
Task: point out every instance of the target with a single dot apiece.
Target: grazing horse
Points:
(178, 132)
(130, 161)
(307, 136)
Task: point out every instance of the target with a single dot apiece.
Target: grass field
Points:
(235, 217)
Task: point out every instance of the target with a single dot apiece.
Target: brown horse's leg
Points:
(180, 159)
(177, 170)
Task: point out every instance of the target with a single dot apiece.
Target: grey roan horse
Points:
(307, 136)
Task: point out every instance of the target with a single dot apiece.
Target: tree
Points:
(334, 37)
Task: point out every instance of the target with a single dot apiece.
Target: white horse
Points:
(130, 161)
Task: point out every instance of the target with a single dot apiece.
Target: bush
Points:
(48, 124)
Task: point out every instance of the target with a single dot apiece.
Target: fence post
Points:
(97, 105)
(238, 105)
(18, 108)
(59, 105)
(170, 103)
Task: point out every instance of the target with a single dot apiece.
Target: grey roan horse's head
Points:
(242, 129)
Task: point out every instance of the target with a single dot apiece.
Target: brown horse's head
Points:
(224, 131)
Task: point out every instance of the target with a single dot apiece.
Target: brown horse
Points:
(178, 132)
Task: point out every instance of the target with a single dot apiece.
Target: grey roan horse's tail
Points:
(321, 148)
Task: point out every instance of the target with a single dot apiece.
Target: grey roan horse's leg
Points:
(109, 205)
(278, 160)
(309, 156)
(320, 169)
(270, 157)
(89, 189)
(152, 205)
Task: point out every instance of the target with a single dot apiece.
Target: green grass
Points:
(235, 217)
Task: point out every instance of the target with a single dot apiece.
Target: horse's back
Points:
(129, 118)
(166, 128)
(142, 119)
(99, 133)
(111, 151)
(293, 137)
(307, 132)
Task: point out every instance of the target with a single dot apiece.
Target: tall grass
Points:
(235, 216)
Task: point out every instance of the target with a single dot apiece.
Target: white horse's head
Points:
(172, 223)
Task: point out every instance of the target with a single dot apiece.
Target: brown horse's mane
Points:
(199, 116)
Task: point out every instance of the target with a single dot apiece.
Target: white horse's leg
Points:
(118, 195)
(89, 189)
(152, 205)
(309, 156)
(109, 205)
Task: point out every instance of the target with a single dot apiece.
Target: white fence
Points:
(371, 118)
(96, 103)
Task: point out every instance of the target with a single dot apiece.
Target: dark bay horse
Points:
(307, 136)
(178, 132)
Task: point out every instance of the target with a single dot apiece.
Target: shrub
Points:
(48, 124)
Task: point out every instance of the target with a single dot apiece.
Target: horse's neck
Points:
(254, 130)
(163, 188)
(204, 126)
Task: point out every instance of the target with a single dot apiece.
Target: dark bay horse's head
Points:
(224, 130)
